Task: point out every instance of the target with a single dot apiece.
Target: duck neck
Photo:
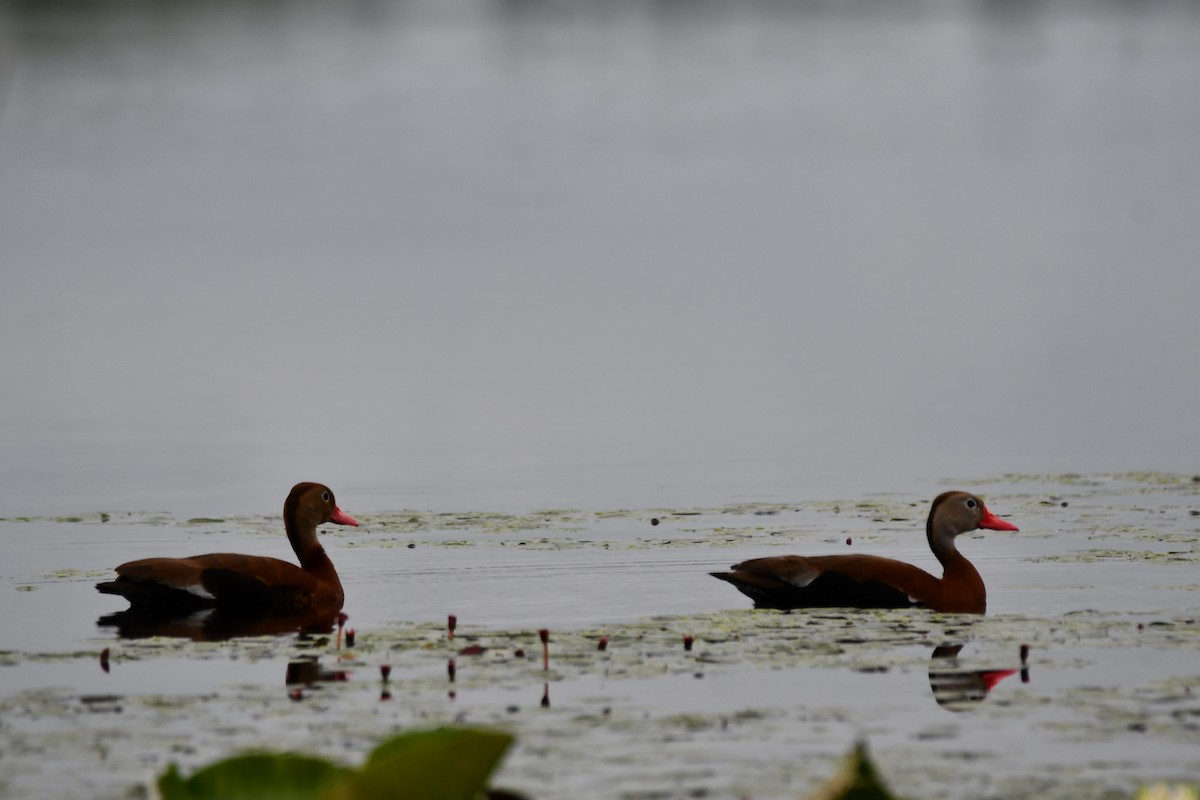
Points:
(315, 561)
(303, 536)
(962, 586)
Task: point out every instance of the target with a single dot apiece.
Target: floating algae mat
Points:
(1083, 680)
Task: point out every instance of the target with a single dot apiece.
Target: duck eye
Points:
(325, 496)
(971, 502)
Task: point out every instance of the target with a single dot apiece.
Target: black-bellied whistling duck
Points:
(861, 581)
(246, 585)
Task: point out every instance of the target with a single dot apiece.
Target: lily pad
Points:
(440, 764)
(282, 776)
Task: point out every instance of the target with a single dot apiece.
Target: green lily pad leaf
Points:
(441, 764)
(858, 779)
(256, 777)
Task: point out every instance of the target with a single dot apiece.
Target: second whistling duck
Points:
(862, 581)
(246, 584)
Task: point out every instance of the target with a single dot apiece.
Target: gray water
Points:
(590, 254)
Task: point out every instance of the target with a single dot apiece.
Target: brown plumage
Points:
(863, 581)
(246, 585)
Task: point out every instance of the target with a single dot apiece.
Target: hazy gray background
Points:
(519, 254)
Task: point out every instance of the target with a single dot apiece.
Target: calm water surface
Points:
(1099, 584)
(586, 254)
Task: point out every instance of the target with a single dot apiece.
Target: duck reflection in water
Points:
(956, 688)
(223, 595)
(307, 671)
(216, 624)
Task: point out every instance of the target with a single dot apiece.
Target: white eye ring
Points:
(325, 496)
(970, 502)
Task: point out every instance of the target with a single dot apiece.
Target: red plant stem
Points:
(544, 635)
(450, 669)
(452, 623)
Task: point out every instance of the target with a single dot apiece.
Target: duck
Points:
(867, 581)
(243, 585)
